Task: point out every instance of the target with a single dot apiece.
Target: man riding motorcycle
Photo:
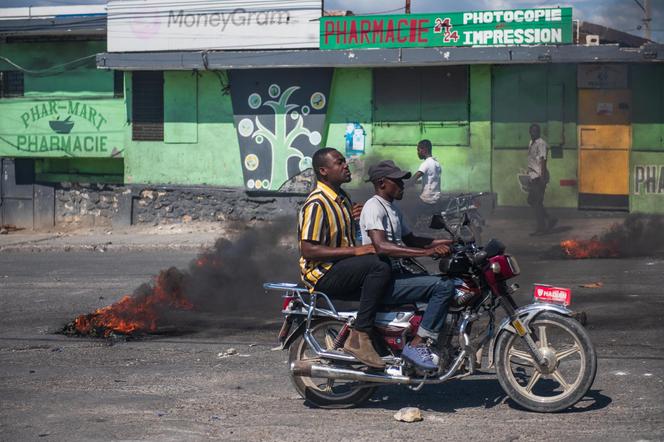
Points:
(382, 225)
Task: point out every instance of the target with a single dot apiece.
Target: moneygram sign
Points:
(164, 25)
(478, 28)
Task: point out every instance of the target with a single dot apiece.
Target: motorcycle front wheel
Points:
(322, 392)
(568, 375)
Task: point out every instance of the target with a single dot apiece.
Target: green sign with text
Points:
(477, 28)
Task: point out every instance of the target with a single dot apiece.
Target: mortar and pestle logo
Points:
(61, 127)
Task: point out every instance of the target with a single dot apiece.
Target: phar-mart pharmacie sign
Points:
(477, 28)
(165, 25)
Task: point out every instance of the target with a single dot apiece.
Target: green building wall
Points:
(200, 145)
(62, 83)
(526, 94)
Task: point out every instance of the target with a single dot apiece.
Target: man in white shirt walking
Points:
(429, 171)
(539, 177)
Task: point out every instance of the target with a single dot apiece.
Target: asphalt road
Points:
(175, 386)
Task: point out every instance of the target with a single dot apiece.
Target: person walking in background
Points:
(538, 175)
(429, 172)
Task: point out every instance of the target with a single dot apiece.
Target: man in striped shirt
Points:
(330, 260)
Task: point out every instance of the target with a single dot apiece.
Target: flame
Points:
(138, 313)
(590, 248)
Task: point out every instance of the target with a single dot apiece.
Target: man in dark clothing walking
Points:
(539, 177)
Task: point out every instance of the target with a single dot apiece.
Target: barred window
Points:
(147, 106)
(11, 84)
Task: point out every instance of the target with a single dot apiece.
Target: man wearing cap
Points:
(382, 225)
(331, 262)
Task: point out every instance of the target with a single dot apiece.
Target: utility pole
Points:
(647, 19)
(407, 6)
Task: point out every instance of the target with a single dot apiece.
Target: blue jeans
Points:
(434, 290)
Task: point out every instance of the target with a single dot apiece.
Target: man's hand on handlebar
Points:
(439, 250)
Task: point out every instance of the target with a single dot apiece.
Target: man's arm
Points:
(423, 242)
(317, 252)
(388, 248)
(417, 176)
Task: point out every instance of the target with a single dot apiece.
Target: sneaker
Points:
(420, 356)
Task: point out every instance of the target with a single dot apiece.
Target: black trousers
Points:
(366, 278)
(536, 201)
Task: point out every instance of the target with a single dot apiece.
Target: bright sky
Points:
(625, 15)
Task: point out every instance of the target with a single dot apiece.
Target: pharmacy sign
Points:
(514, 27)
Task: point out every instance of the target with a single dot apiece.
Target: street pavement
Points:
(179, 385)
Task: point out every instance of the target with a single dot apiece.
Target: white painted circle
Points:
(266, 184)
(305, 110)
(258, 184)
(317, 100)
(274, 90)
(255, 101)
(294, 115)
(314, 138)
(245, 127)
(251, 161)
(250, 184)
(259, 139)
(305, 163)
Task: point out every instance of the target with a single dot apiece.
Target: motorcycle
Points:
(544, 358)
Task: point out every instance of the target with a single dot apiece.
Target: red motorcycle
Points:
(543, 357)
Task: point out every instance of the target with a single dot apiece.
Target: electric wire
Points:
(49, 71)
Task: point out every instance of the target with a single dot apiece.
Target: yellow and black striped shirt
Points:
(325, 218)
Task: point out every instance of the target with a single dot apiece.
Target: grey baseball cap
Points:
(387, 169)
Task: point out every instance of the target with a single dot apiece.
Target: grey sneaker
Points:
(420, 356)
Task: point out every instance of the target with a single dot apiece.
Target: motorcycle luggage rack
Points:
(308, 299)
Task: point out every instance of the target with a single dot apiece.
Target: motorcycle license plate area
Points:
(552, 295)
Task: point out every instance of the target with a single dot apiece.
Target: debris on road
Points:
(592, 285)
(409, 414)
(231, 352)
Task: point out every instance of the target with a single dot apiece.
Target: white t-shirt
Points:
(380, 214)
(431, 171)
(537, 151)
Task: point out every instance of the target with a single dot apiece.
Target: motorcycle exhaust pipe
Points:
(308, 369)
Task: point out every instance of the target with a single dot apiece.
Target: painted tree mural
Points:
(279, 124)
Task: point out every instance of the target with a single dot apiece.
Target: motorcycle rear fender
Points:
(295, 332)
(526, 314)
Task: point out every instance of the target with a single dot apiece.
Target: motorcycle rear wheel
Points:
(321, 392)
(568, 377)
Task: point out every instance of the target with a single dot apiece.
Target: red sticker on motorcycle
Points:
(556, 295)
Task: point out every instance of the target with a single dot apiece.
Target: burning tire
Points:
(325, 393)
(568, 375)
